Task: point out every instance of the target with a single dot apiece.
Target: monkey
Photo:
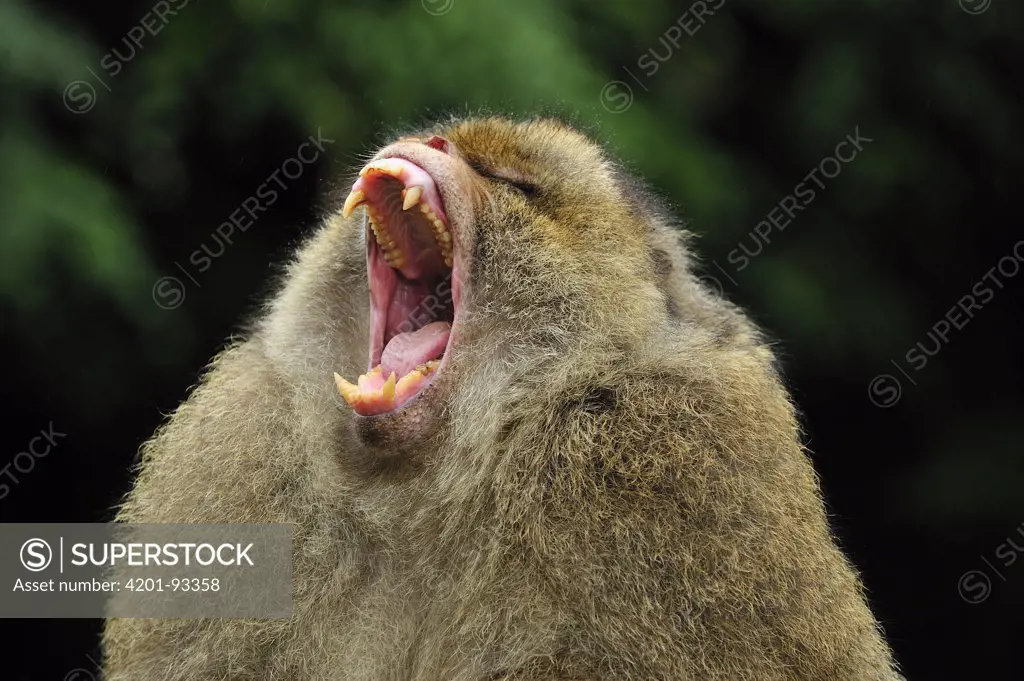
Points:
(517, 439)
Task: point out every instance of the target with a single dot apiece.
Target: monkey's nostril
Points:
(439, 143)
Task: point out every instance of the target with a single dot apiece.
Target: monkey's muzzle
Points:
(410, 263)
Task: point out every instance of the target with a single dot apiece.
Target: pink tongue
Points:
(406, 351)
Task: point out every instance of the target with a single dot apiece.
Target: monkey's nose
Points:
(439, 143)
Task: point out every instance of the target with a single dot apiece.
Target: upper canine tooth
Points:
(354, 199)
(412, 196)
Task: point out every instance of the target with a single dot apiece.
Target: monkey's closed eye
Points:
(527, 189)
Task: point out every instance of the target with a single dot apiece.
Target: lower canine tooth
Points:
(348, 391)
(387, 391)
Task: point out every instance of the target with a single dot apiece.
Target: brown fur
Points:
(608, 482)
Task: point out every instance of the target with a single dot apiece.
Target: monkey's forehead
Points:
(538, 139)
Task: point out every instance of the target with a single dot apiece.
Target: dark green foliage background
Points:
(95, 207)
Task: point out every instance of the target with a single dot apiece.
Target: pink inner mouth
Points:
(414, 294)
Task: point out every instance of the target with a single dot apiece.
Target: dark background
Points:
(107, 187)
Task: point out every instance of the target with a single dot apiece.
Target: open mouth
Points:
(411, 265)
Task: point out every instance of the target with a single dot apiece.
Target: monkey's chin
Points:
(411, 265)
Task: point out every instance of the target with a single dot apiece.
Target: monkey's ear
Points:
(690, 297)
(666, 247)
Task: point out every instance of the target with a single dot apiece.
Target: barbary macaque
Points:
(516, 438)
